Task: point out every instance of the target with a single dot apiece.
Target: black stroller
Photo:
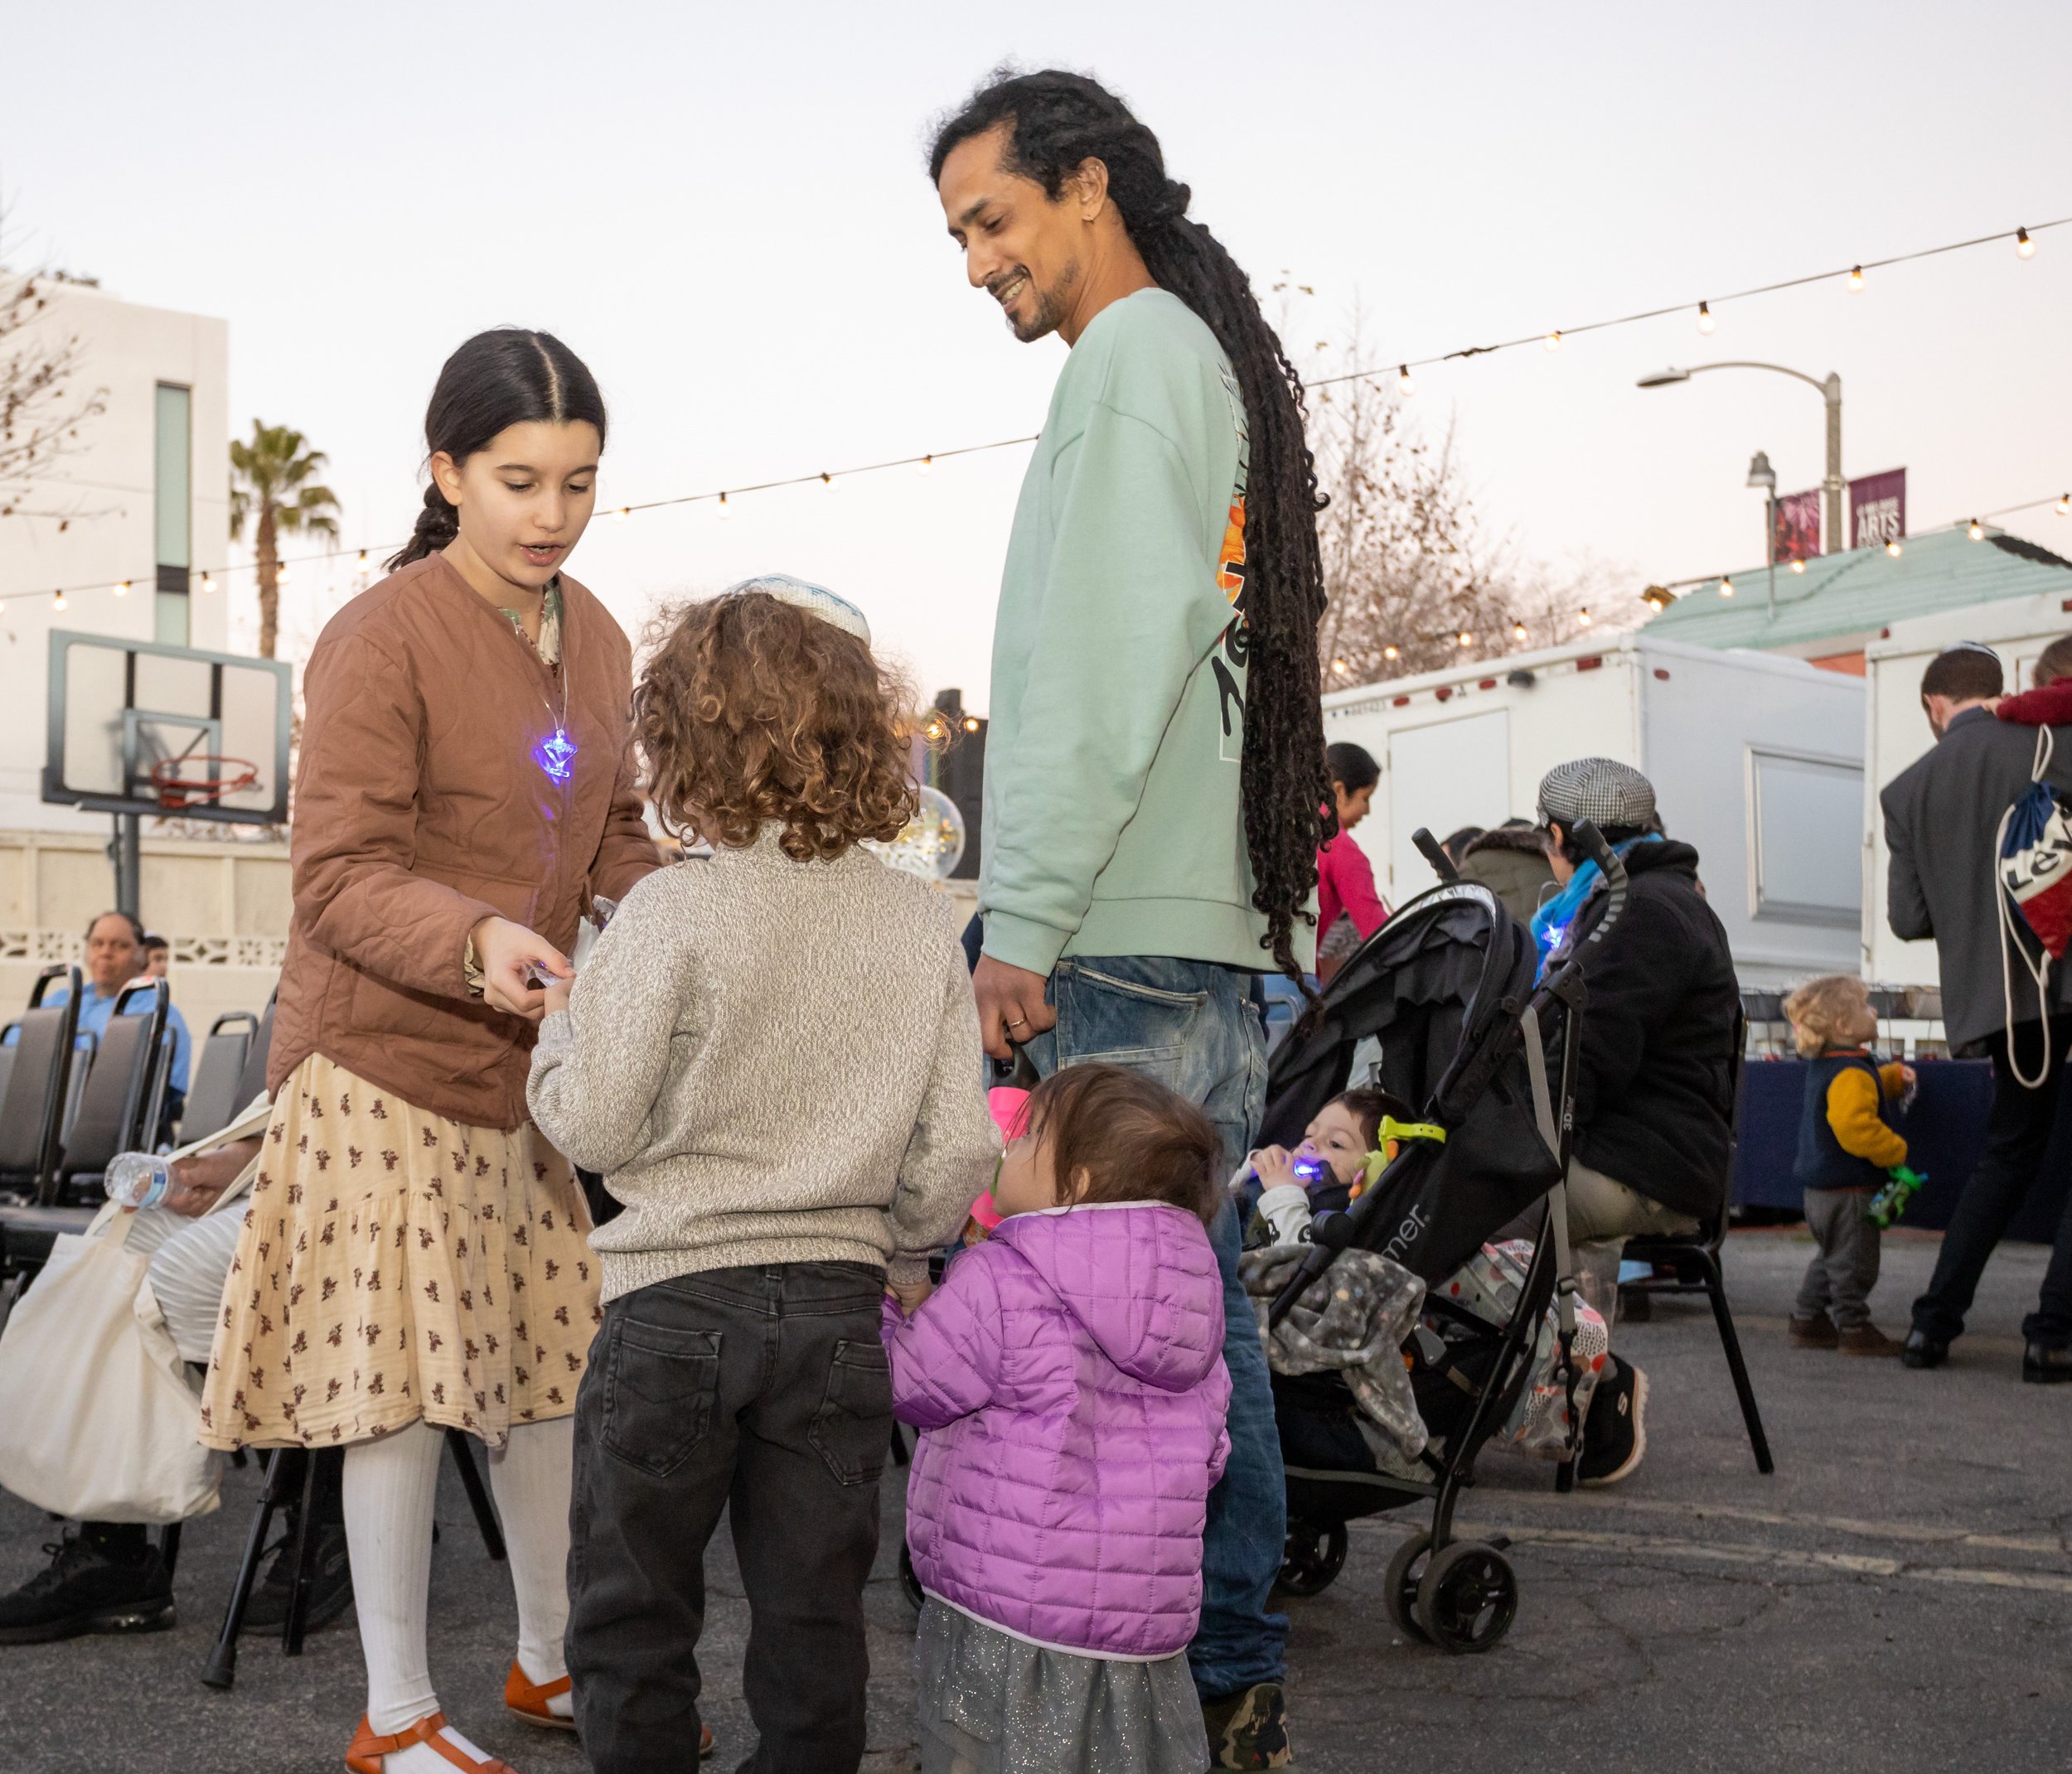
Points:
(1444, 991)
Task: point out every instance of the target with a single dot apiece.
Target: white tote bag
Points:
(102, 1424)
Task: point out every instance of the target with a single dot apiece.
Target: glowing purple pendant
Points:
(555, 754)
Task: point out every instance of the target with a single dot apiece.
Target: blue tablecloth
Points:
(1945, 1133)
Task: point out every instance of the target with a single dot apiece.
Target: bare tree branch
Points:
(44, 401)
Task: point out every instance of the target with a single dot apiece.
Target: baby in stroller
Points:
(1343, 1149)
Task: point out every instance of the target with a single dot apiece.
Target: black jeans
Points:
(765, 1392)
(2015, 1136)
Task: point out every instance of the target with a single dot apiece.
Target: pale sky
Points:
(724, 210)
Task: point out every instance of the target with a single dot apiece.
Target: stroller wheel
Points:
(1468, 1598)
(1399, 1588)
(909, 1584)
(1313, 1556)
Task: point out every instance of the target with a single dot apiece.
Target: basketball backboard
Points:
(136, 727)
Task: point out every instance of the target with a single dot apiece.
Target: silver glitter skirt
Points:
(992, 1703)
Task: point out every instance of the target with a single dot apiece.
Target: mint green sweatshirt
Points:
(1112, 824)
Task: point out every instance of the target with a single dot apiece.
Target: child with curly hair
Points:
(773, 1056)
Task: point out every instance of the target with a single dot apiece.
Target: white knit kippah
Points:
(816, 600)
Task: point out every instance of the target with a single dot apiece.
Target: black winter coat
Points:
(1651, 1107)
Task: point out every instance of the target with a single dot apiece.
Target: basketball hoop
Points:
(182, 784)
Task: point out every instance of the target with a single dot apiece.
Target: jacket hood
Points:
(1140, 1276)
(1528, 839)
(1645, 858)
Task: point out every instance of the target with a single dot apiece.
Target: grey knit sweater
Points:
(771, 1062)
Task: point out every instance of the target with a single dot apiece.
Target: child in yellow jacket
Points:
(1847, 1144)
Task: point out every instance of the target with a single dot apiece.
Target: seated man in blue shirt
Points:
(115, 959)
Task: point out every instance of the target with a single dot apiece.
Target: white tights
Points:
(388, 1490)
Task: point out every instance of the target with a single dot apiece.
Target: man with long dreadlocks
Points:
(1156, 772)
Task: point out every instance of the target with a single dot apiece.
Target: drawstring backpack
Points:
(2033, 864)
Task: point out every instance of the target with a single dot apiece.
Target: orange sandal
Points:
(367, 1751)
(527, 1699)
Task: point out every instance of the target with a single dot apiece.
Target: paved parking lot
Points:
(1898, 1595)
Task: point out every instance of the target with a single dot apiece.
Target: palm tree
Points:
(272, 481)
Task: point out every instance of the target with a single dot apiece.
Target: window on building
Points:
(174, 498)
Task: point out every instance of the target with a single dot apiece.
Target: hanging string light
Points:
(2064, 506)
(1856, 279)
(1582, 616)
(122, 588)
(1706, 322)
(1390, 653)
(623, 513)
(925, 463)
(1727, 587)
(1552, 342)
(1465, 639)
(827, 480)
(1339, 668)
(1406, 384)
(1976, 530)
(2025, 247)
(57, 600)
(1518, 631)
(208, 581)
(1798, 566)
(726, 510)
(1893, 548)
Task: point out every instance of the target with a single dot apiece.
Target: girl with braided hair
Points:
(1156, 788)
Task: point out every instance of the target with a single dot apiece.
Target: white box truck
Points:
(2016, 628)
(1756, 759)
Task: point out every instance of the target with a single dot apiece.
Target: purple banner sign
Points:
(1798, 526)
(1877, 509)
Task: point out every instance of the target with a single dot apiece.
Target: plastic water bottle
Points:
(137, 1179)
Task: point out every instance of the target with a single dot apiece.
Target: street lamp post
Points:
(1831, 390)
(1761, 473)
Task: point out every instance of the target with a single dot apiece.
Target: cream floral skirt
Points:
(395, 1265)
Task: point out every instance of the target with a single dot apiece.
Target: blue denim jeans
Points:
(1197, 1028)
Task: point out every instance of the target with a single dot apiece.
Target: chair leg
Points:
(222, 1669)
(304, 1553)
(1716, 1287)
(477, 1493)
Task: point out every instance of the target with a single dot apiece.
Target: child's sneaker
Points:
(1615, 1432)
(1816, 1333)
(1866, 1339)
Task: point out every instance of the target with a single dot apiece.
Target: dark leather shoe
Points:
(2042, 1365)
(1921, 1350)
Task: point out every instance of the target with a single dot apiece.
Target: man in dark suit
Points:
(1942, 823)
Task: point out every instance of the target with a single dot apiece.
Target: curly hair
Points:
(750, 710)
(1057, 122)
(1823, 1012)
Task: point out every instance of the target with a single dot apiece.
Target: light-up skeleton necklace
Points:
(554, 753)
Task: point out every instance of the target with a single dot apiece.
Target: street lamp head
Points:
(1760, 473)
(1663, 378)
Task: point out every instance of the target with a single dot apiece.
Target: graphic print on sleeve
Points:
(1234, 650)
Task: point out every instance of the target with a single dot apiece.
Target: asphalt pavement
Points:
(1897, 1596)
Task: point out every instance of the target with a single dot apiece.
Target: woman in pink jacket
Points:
(1069, 1378)
(1348, 909)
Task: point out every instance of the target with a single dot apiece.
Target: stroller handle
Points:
(1434, 853)
(1613, 867)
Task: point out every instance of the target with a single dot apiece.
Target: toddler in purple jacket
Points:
(1069, 1382)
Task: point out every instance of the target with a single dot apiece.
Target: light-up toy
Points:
(555, 754)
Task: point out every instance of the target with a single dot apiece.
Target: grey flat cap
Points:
(1601, 790)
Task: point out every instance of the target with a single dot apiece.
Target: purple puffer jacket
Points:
(1069, 1374)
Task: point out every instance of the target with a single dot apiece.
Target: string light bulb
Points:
(1406, 384)
(1727, 587)
(1339, 667)
(1976, 530)
(1552, 342)
(280, 576)
(827, 480)
(1798, 566)
(363, 561)
(927, 463)
(1706, 322)
(621, 515)
(1389, 653)
(726, 510)
(122, 588)
(1856, 279)
(1518, 631)
(1465, 639)
(970, 724)
(1892, 548)
(2064, 506)
(2025, 247)
(57, 602)
(1582, 615)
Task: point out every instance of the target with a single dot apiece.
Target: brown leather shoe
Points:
(1866, 1339)
(1816, 1333)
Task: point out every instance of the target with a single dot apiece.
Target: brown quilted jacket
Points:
(419, 810)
